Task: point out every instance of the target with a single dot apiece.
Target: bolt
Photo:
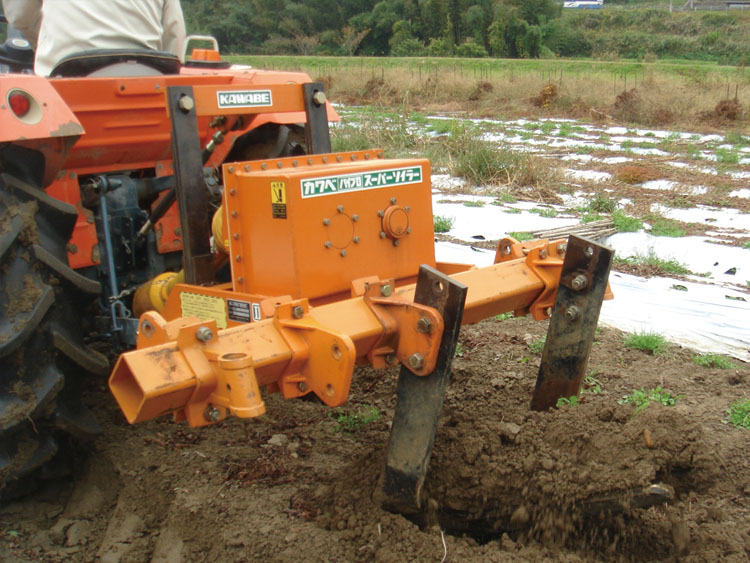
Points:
(247, 168)
(356, 240)
(382, 234)
(424, 325)
(561, 248)
(186, 103)
(238, 258)
(231, 169)
(319, 97)
(328, 244)
(572, 313)
(543, 253)
(234, 214)
(236, 236)
(339, 158)
(579, 282)
(367, 156)
(381, 212)
(589, 251)
(240, 280)
(353, 157)
(279, 164)
(204, 334)
(525, 251)
(326, 222)
(407, 209)
(355, 217)
(298, 312)
(390, 359)
(340, 208)
(232, 192)
(386, 290)
(416, 361)
(212, 414)
(548, 311)
(295, 163)
(396, 242)
(302, 386)
(393, 200)
(343, 253)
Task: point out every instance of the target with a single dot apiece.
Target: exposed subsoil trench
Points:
(505, 484)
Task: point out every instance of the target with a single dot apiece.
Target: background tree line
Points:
(469, 28)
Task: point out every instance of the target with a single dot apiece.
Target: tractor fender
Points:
(48, 116)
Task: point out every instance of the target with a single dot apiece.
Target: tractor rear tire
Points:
(44, 361)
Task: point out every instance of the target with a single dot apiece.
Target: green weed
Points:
(505, 197)
(602, 204)
(474, 203)
(537, 346)
(565, 130)
(625, 223)
(663, 227)
(591, 217)
(568, 401)
(544, 211)
(459, 353)
(591, 385)
(512, 211)
(504, 316)
(661, 265)
(727, 156)
(739, 414)
(521, 236)
(641, 398)
(442, 224)
(650, 342)
(714, 361)
(352, 421)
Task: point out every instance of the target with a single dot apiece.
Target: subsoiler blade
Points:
(583, 281)
(419, 399)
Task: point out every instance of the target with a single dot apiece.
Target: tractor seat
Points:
(117, 62)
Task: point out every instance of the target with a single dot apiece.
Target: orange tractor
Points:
(194, 219)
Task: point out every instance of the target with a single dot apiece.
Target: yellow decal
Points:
(205, 307)
(278, 192)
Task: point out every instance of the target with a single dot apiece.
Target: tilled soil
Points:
(505, 483)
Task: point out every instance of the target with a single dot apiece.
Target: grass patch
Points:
(520, 236)
(650, 342)
(663, 227)
(727, 156)
(474, 203)
(537, 346)
(714, 361)
(661, 265)
(641, 398)
(442, 224)
(591, 217)
(512, 211)
(505, 197)
(504, 316)
(352, 421)
(544, 211)
(625, 223)
(602, 204)
(739, 414)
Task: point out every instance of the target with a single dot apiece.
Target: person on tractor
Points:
(60, 28)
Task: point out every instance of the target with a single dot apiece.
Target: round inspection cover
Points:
(396, 222)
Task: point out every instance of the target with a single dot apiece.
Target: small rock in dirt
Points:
(520, 515)
(293, 446)
(528, 339)
(77, 533)
(715, 513)
(507, 543)
(605, 414)
(497, 382)
(509, 430)
(278, 440)
(547, 464)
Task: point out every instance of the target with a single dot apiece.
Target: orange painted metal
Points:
(307, 226)
(122, 124)
(303, 349)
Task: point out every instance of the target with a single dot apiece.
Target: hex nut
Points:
(204, 334)
(424, 325)
(386, 290)
(579, 282)
(319, 97)
(561, 248)
(416, 361)
(572, 313)
(298, 312)
(543, 253)
(186, 103)
(212, 414)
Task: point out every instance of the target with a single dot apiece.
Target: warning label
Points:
(205, 307)
(278, 200)
(238, 311)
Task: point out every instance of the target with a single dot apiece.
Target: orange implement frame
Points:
(199, 373)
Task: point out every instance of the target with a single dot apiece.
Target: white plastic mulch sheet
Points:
(708, 316)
